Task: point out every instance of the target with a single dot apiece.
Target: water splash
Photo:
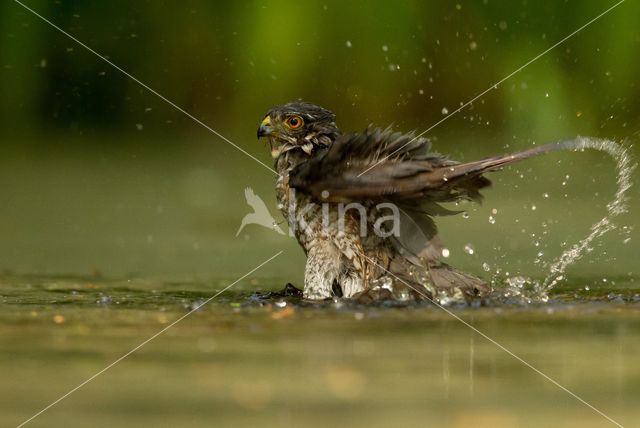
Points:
(520, 289)
(527, 290)
(624, 169)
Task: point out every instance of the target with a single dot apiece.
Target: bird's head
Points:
(298, 126)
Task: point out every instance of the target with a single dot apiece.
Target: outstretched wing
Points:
(385, 165)
(382, 165)
(343, 173)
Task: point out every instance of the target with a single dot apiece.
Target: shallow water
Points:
(243, 361)
(239, 361)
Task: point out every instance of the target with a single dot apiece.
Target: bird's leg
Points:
(321, 271)
(336, 289)
(353, 276)
(351, 282)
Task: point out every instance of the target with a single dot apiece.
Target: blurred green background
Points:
(100, 176)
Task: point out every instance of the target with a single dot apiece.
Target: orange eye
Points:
(294, 122)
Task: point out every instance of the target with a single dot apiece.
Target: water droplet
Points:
(494, 211)
(587, 288)
(195, 305)
(385, 48)
(517, 281)
(465, 215)
(445, 252)
(492, 219)
(533, 207)
(486, 267)
(445, 110)
(348, 43)
(105, 300)
(546, 195)
(469, 249)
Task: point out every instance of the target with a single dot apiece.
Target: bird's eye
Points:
(294, 122)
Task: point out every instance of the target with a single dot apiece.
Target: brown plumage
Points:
(321, 171)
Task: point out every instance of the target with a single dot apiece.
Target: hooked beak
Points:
(265, 127)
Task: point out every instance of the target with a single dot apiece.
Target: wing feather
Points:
(403, 167)
(385, 165)
(381, 165)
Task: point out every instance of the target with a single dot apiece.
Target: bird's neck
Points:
(288, 160)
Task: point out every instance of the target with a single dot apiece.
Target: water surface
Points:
(245, 361)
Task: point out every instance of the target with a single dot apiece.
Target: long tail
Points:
(441, 176)
(624, 167)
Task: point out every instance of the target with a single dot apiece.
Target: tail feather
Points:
(447, 278)
(448, 174)
(443, 278)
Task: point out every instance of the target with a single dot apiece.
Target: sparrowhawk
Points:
(361, 205)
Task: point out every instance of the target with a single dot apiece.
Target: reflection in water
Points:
(618, 361)
(446, 375)
(236, 363)
(471, 362)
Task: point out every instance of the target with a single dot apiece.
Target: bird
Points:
(260, 215)
(362, 206)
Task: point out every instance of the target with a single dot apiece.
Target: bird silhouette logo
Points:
(260, 215)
